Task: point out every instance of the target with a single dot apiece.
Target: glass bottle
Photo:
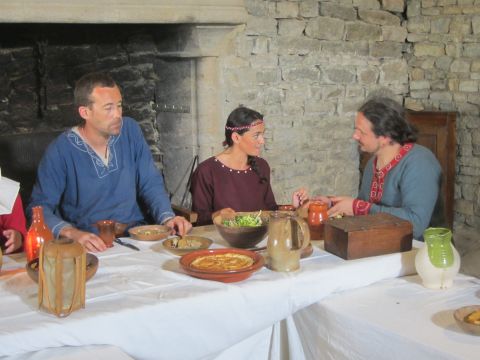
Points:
(37, 234)
(317, 215)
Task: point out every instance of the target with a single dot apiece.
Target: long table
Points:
(391, 319)
(143, 303)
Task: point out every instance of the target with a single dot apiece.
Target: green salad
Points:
(244, 220)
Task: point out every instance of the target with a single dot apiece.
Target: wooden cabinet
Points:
(436, 131)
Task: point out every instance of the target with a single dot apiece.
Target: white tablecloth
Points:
(392, 319)
(143, 303)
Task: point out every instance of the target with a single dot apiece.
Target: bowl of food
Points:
(149, 232)
(468, 318)
(225, 265)
(242, 229)
(186, 244)
(91, 263)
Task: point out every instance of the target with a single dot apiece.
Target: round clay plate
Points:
(202, 242)
(92, 266)
(149, 232)
(460, 315)
(226, 275)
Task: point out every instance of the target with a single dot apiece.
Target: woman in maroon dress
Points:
(236, 179)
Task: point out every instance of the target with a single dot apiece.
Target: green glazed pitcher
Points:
(437, 262)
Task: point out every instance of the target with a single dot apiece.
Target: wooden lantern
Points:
(61, 284)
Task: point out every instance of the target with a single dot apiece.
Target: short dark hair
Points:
(388, 119)
(85, 85)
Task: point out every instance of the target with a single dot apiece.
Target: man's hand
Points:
(342, 205)
(14, 240)
(90, 241)
(179, 224)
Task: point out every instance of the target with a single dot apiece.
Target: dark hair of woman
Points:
(388, 119)
(240, 121)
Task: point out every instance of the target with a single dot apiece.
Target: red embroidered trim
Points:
(376, 189)
(361, 207)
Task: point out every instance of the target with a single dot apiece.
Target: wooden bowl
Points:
(92, 266)
(226, 276)
(149, 232)
(460, 315)
(204, 244)
(242, 236)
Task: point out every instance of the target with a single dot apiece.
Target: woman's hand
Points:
(226, 213)
(14, 240)
(299, 197)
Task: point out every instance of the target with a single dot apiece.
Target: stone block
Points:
(260, 45)
(394, 33)
(471, 9)
(418, 24)
(291, 27)
(459, 27)
(475, 66)
(393, 5)
(440, 96)
(439, 85)
(325, 28)
(264, 61)
(419, 85)
(301, 45)
(473, 99)
(432, 11)
(416, 74)
(359, 48)
(443, 62)
(362, 31)
(468, 86)
(395, 71)
(460, 65)
(256, 7)
(419, 94)
(257, 25)
(319, 107)
(413, 38)
(378, 17)
(386, 49)
(464, 206)
(303, 73)
(339, 75)
(285, 10)
(454, 50)
(476, 25)
(471, 50)
(440, 25)
(308, 8)
(428, 49)
(366, 4)
(414, 105)
(338, 11)
(368, 75)
(413, 8)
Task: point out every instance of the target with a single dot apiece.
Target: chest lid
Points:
(368, 222)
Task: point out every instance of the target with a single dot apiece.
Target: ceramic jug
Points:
(288, 235)
(317, 215)
(437, 262)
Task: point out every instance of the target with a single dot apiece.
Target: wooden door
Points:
(436, 131)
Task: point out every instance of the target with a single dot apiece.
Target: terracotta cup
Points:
(106, 231)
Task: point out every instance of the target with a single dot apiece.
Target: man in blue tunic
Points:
(402, 178)
(99, 170)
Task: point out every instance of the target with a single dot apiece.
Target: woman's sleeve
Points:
(202, 195)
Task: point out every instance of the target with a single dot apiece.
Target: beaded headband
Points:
(244, 127)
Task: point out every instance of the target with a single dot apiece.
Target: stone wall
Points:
(307, 65)
(444, 74)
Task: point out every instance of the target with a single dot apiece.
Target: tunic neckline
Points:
(230, 169)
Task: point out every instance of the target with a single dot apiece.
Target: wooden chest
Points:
(355, 237)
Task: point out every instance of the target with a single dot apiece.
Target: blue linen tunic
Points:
(76, 188)
(411, 188)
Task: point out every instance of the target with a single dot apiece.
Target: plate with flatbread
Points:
(226, 265)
